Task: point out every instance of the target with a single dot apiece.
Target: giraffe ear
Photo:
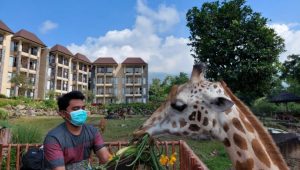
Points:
(221, 104)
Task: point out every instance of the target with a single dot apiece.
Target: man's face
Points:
(74, 104)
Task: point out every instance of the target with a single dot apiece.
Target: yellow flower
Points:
(111, 156)
(172, 159)
(163, 160)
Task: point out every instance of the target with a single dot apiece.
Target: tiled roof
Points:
(61, 49)
(105, 60)
(28, 36)
(134, 60)
(4, 27)
(82, 57)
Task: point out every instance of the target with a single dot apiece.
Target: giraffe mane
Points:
(265, 137)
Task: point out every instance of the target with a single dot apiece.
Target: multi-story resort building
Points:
(58, 71)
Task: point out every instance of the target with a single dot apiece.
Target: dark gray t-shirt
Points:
(63, 148)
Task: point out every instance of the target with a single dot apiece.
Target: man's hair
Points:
(64, 100)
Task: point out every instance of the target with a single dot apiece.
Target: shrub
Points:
(26, 134)
(262, 107)
(51, 104)
(3, 114)
(2, 96)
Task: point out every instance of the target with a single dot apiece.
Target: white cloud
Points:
(168, 54)
(47, 26)
(291, 37)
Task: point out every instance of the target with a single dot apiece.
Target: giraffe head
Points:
(191, 109)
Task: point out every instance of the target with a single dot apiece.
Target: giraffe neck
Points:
(247, 142)
(244, 145)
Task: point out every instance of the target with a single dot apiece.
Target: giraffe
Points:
(204, 107)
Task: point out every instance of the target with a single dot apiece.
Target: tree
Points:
(291, 73)
(21, 81)
(89, 95)
(236, 45)
(158, 90)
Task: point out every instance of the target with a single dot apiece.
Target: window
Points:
(9, 76)
(1, 53)
(34, 51)
(109, 70)
(1, 38)
(32, 64)
(129, 70)
(66, 62)
(74, 65)
(66, 73)
(51, 58)
(8, 92)
(65, 85)
(59, 71)
(99, 80)
(32, 79)
(60, 59)
(12, 61)
(25, 47)
(13, 46)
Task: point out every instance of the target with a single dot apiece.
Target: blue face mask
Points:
(78, 117)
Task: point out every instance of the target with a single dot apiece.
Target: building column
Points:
(56, 71)
(18, 60)
(70, 82)
(36, 86)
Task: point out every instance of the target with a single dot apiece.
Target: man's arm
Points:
(103, 155)
(59, 168)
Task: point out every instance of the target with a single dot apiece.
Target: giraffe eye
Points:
(178, 105)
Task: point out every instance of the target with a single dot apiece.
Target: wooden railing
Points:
(10, 157)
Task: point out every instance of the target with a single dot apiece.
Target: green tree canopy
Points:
(158, 90)
(291, 73)
(236, 45)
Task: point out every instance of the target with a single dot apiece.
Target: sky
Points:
(154, 30)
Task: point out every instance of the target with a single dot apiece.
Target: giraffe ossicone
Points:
(203, 107)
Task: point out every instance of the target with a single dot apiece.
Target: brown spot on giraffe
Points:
(248, 164)
(260, 152)
(215, 86)
(238, 153)
(237, 124)
(205, 121)
(182, 123)
(185, 133)
(194, 127)
(199, 116)
(228, 111)
(226, 142)
(192, 116)
(225, 127)
(214, 122)
(195, 106)
(174, 124)
(240, 141)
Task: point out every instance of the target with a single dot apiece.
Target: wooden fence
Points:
(10, 157)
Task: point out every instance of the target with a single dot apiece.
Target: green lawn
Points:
(121, 130)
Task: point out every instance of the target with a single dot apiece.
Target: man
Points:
(69, 145)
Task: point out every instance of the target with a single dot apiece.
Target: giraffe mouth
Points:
(139, 133)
